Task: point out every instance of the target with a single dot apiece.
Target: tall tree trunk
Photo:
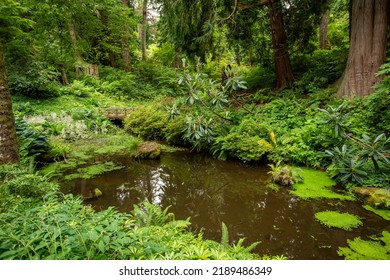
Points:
(144, 28)
(284, 73)
(324, 40)
(9, 148)
(367, 52)
(126, 46)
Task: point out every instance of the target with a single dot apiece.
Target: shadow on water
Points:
(211, 191)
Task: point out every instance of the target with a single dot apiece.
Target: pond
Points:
(212, 191)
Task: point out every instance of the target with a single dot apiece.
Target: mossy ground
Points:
(375, 249)
(317, 184)
(344, 221)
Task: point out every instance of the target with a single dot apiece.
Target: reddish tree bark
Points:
(369, 27)
(284, 72)
(9, 148)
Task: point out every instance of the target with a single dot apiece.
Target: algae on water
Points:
(93, 170)
(336, 219)
(317, 184)
(385, 214)
(375, 249)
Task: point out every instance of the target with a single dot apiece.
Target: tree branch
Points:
(234, 11)
(242, 6)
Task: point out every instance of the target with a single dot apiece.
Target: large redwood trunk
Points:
(284, 72)
(369, 26)
(9, 149)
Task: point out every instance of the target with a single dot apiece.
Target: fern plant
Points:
(147, 214)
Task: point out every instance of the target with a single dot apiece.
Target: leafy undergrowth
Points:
(67, 102)
(61, 227)
(385, 214)
(375, 249)
(344, 221)
(317, 184)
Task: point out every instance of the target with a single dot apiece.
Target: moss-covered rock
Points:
(336, 219)
(149, 150)
(91, 193)
(375, 197)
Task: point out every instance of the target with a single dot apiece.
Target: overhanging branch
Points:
(245, 6)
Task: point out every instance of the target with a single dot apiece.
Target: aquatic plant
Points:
(374, 249)
(284, 175)
(336, 219)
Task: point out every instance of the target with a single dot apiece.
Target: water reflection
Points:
(211, 192)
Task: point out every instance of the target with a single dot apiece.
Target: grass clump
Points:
(336, 219)
(375, 249)
(315, 185)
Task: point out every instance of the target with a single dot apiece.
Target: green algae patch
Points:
(57, 169)
(385, 214)
(374, 249)
(336, 219)
(317, 184)
(93, 170)
(81, 162)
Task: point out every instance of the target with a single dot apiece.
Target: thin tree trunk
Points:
(324, 40)
(112, 58)
(284, 72)
(64, 77)
(126, 46)
(369, 26)
(9, 148)
(144, 28)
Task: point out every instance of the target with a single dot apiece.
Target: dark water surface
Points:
(211, 191)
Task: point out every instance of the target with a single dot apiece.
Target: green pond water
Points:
(212, 191)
